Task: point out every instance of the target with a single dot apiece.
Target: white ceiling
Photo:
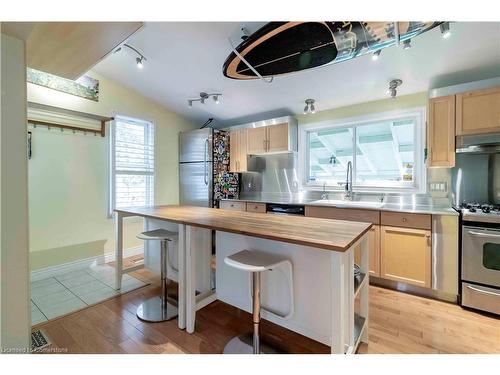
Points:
(186, 58)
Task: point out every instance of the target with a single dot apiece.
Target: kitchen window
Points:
(132, 159)
(386, 151)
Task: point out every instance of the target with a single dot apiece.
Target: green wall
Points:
(68, 176)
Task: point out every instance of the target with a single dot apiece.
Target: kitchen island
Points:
(316, 297)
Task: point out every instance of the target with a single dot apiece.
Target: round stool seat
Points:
(159, 308)
(254, 260)
(158, 235)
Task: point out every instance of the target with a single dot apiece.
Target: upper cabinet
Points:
(468, 113)
(274, 138)
(478, 112)
(441, 132)
(238, 150)
(265, 137)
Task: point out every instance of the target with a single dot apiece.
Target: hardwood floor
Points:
(399, 323)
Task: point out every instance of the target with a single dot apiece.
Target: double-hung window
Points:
(386, 151)
(132, 163)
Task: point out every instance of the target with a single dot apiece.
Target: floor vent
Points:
(38, 340)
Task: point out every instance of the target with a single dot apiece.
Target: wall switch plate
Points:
(438, 186)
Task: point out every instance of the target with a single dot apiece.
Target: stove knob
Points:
(486, 210)
(472, 209)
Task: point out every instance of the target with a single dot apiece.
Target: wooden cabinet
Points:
(355, 215)
(407, 220)
(441, 132)
(478, 112)
(405, 255)
(257, 140)
(272, 138)
(277, 138)
(373, 251)
(238, 150)
(256, 207)
(234, 206)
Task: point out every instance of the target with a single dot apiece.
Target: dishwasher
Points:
(285, 209)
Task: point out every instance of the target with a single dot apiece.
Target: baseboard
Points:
(79, 264)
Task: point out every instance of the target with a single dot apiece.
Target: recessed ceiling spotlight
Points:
(445, 30)
(407, 44)
(393, 85)
(309, 108)
(376, 54)
(204, 96)
(138, 60)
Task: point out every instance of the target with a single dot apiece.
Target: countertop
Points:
(394, 207)
(335, 235)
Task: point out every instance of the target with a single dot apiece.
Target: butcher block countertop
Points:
(335, 235)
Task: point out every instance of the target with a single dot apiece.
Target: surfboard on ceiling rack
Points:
(286, 47)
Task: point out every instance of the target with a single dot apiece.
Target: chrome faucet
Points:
(348, 183)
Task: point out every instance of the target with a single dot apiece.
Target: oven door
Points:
(481, 255)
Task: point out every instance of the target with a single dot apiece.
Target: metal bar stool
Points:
(256, 262)
(158, 308)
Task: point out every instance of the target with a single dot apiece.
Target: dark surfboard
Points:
(286, 47)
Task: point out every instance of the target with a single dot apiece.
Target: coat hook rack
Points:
(103, 120)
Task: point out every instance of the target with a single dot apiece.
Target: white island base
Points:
(314, 297)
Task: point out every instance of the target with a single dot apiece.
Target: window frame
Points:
(111, 157)
(420, 177)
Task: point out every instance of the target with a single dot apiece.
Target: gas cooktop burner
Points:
(482, 212)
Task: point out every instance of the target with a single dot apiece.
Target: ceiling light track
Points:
(204, 97)
(139, 60)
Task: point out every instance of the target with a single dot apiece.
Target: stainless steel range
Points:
(480, 275)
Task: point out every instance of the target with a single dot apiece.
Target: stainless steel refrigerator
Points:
(204, 176)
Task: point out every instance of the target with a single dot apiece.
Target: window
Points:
(386, 151)
(132, 163)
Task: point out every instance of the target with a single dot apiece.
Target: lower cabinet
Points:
(373, 251)
(234, 206)
(405, 255)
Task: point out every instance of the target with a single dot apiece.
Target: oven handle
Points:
(483, 291)
(484, 234)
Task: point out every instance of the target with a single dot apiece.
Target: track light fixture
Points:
(139, 60)
(393, 85)
(309, 108)
(204, 96)
(407, 44)
(445, 30)
(376, 55)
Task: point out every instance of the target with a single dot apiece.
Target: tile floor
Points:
(62, 294)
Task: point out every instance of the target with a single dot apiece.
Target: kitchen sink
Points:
(347, 203)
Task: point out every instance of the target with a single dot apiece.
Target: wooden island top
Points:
(328, 234)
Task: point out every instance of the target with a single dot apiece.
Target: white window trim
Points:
(111, 159)
(420, 136)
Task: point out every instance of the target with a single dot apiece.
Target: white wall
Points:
(68, 175)
(14, 270)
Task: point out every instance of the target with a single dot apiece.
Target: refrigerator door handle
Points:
(205, 161)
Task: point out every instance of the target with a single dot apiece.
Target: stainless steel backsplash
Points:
(476, 178)
(275, 177)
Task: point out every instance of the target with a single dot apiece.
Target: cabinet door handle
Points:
(404, 220)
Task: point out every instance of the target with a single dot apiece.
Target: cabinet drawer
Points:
(406, 220)
(256, 207)
(235, 206)
(350, 214)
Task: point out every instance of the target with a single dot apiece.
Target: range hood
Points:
(478, 144)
